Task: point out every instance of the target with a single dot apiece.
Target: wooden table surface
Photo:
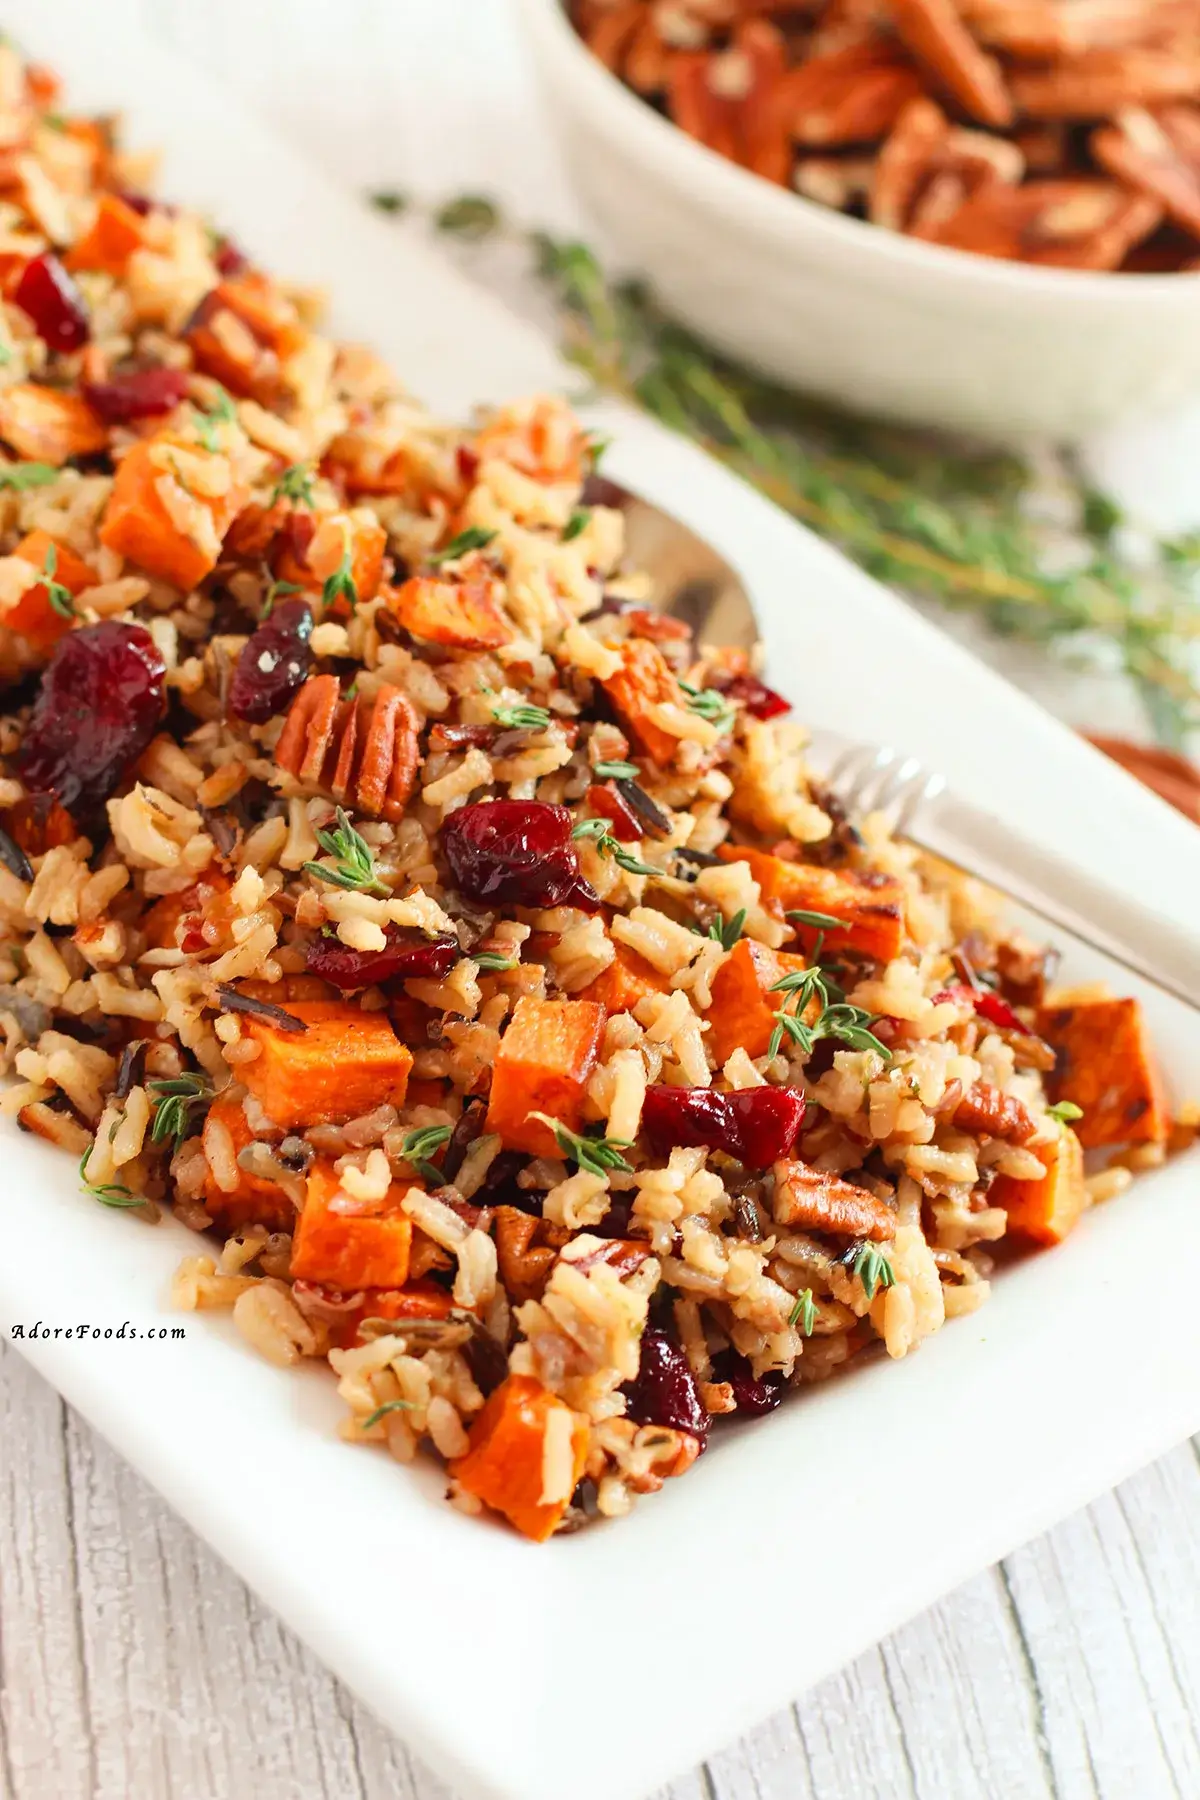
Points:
(135, 1666)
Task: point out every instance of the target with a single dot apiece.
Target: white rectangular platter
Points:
(599, 1665)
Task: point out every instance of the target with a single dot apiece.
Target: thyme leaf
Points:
(354, 863)
(62, 600)
(418, 1147)
(597, 1154)
(804, 1313)
(521, 717)
(868, 1262)
(475, 537)
(597, 832)
(177, 1106)
(295, 483)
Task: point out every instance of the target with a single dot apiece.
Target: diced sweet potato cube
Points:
(318, 549)
(419, 1300)
(526, 1456)
(1106, 1065)
(541, 437)
(138, 525)
(463, 615)
(115, 233)
(1044, 1211)
(241, 331)
(254, 1201)
(744, 1008)
(33, 616)
(546, 1057)
(817, 1200)
(177, 921)
(871, 906)
(45, 424)
(627, 979)
(345, 1064)
(350, 1244)
(644, 680)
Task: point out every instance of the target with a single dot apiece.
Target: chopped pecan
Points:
(734, 101)
(1062, 224)
(842, 182)
(851, 96)
(986, 1112)
(1024, 970)
(526, 1247)
(928, 168)
(363, 751)
(462, 615)
(934, 31)
(816, 1200)
(622, 1254)
(1159, 154)
(1100, 83)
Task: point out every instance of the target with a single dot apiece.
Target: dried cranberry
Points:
(99, 705)
(988, 1005)
(518, 851)
(228, 258)
(755, 1395)
(273, 664)
(142, 204)
(757, 1125)
(468, 462)
(49, 295)
(757, 698)
(408, 953)
(664, 1391)
(136, 394)
(604, 800)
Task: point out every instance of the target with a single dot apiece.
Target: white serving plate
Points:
(600, 1665)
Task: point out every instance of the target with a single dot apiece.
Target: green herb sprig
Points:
(475, 537)
(522, 717)
(1064, 1111)
(576, 524)
(341, 585)
(354, 863)
(804, 1313)
(221, 412)
(23, 475)
(295, 484)
(490, 962)
(381, 1412)
(177, 1106)
(726, 932)
(108, 1193)
(418, 1147)
(872, 1267)
(598, 833)
(834, 1018)
(616, 771)
(708, 704)
(599, 1155)
(62, 600)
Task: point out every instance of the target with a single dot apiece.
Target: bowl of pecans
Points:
(975, 214)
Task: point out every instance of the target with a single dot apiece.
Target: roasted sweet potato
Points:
(816, 1200)
(33, 616)
(1106, 1065)
(113, 236)
(179, 921)
(540, 437)
(351, 1244)
(872, 908)
(254, 1201)
(1044, 1211)
(743, 1010)
(311, 550)
(346, 1063)
(241, 331)
(463, 615)
(527, 1454)
(50, 425)
(546, 1056)
(627, 979)
(645, 680)
(418, 1300)
(138, 525)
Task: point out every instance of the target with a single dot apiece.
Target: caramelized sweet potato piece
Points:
(546, 1056)
(986, 1112)
(44, 424)
(627, 979)
(744, 1008)
(542, 438)
(33, 616)
(346, 1063)
(526, 1456)
(241, 331)
(314, 549)
(462, 615)
(816, 1200)
(645, 679)
(1106, 1065)
(872, 907)
(1044, 1211)
(350, 1244)
(177, 921)
(138, 524)
(111, 239)
(254, 1201)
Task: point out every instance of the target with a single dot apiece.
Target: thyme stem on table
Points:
(941, 520)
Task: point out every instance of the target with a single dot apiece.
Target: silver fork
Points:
(692, 582)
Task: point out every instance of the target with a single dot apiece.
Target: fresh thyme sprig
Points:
(296, 484)
(381, 1412)
(576, 524)
(818, 920)
(341, 585)
(62, 600)
(942, 521)
(598, 833)
(279, 590)
(804, 1313)
(1065, 1112)
(221, 412)
(23, 475)
(616, 771)
(354, 864)
(708, 703)
(834, 1018)
(868, 1262)
(521, 717)
(419, 1146)
(491, 962)
(177, 1106)
(475, 537)
(726, 932)
(599, 1155)
(108, 1193)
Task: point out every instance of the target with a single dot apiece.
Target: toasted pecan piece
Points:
(735, 102)
(526, 1247)
(837, 181)
(1159, 154)
(1063, 224)
(1043, 30)
(850, 96)
(816, 1200)
(909, 156)
(986, 1112)
(1101, 82)
(934, 31)
(364, 752)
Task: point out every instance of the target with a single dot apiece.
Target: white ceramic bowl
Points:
(851, 312)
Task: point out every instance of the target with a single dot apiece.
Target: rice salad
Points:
(465, 954)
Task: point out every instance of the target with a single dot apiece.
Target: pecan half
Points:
(526, 1247)
(364, 752)
(1063, 224)
(1158, 154)
(986, 1112)
(934, 31)
(735, 101)
(1100, 83)
(851, 96)
(816, 1200)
